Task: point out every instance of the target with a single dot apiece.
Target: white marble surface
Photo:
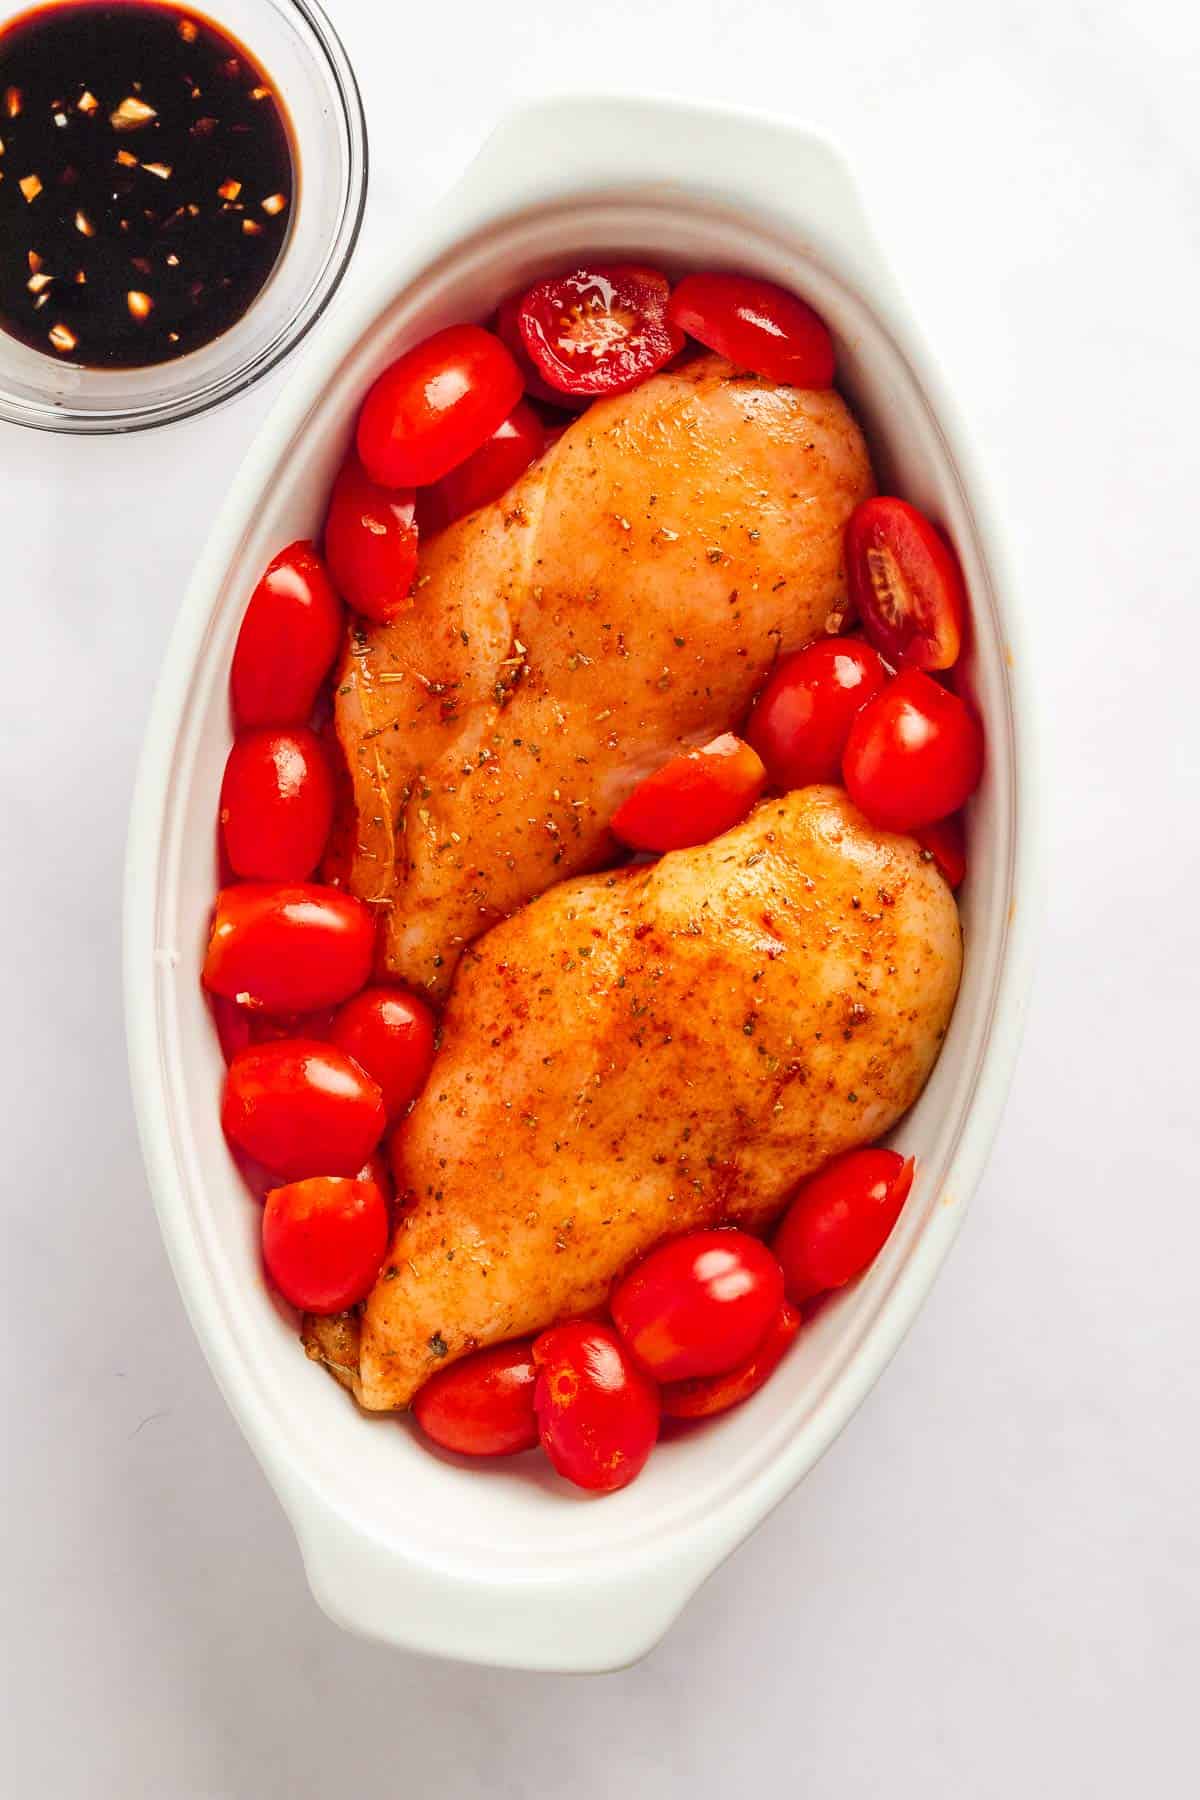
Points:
(991, 1585)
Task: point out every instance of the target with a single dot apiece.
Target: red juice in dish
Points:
(147, 177)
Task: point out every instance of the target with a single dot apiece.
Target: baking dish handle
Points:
(565, 146)
(588, 1618)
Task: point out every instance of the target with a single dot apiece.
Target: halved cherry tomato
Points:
(906, 583)
(802, 718)
(301, 1105)
(597, 1412)
(840, 1219)
(699, 1304)
(323, 1241)
(705, 1395)
(507, 326)
(389, 1033)
(482, 1406)
(946, 842)
(757, 326)
(288, 641)
(485, 475)
(371, 543)
(288, 947)
(914, 754)
(599, 330)
(436, 405)
(694, 797)
(276, 803)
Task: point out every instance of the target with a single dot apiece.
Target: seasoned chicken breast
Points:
(647, 1051)
(626, 597)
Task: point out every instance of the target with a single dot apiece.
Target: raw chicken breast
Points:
(626, 597)
(643, 1052)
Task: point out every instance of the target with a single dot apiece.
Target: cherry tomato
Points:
(599, 330)
(694, 797)
(276, 803)
(705, 1395)
(597, 1412)
(802, 718)
(288, 948)
(507, 326)
(371, 543)
(323, 1241)
(238, 1026)
(288, 641)
(914, 754)
(435, 405)
(389, 1033)
(946, 842)
(840, 1220)
(301, 1105)
(699, 1304)
(489, 472)
(756, 326)
(482, 1406)
(906, 584)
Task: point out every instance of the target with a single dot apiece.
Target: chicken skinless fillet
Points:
(648, 1051)
(622, 600)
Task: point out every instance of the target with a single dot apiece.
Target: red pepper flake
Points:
(87, 102)
(229, 190)
(62, 337)
(13, 102)
(274, 203)
(189, 31)
(30, 186)
(140, 305)
(162, 170)
(131, 115)
(84, 226)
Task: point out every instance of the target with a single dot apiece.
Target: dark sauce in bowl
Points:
(146, 181)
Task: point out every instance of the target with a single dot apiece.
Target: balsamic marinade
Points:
(146, 181)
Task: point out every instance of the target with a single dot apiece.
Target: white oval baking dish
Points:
(508, 1566)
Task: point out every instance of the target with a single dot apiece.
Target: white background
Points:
(991, 1585)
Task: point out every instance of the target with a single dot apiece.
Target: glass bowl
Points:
(297, 48)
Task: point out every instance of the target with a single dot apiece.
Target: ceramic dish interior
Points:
(508, 1565)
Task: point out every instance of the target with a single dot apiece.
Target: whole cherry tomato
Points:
(802, 718)
(288, 947)
(371, 543)
(597, 1412)
(301, 1105)
(756, 326)
(489, 472)
(435, 405)
(699, 1304)
(323, 1241)
(914, 754)
(288, 641)
(946, 841)
(482, 1406)
(840, 1219)
(694, 797)
(599, 330)
(238, 1026)
(906, 583)
(276, 803)
(705, 1395)
(389, 1033)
